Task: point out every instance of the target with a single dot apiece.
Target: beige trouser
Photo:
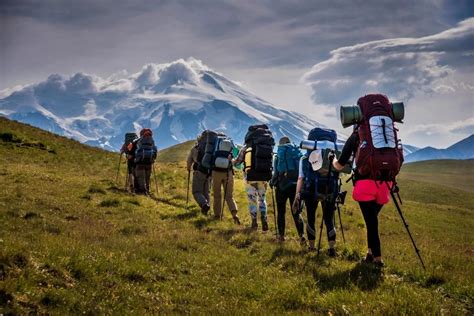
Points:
(223, 181)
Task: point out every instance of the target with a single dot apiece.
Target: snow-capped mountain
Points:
(409, 149)
(177, 100)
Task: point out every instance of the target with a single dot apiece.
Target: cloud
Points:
(399, 67)
(439, 134)
(464, 127)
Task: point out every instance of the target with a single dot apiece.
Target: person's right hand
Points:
(296, 204)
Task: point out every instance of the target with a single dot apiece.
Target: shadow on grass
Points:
(203, 222)
(281, 252)
(365, 276)
(168, 201)
(181, 216)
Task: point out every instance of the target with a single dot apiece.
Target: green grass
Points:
(72, 241)
(456, 174)
(174, 154)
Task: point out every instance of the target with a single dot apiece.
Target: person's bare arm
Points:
(336, 165)
(299, 186)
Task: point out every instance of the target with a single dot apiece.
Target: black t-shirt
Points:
(349, 148)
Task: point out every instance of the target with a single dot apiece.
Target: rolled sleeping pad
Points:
(308, 144)
(398, 109)
(350, 115)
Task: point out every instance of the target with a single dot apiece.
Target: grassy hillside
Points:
(72, 242)
(457, 174)
(177, 153)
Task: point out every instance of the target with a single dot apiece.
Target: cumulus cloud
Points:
(465, 127)
(442, 134)
(399, 67)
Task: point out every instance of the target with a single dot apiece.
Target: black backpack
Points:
(145, 152)
(260, 142)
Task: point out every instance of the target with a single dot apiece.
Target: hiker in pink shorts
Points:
(371, 195)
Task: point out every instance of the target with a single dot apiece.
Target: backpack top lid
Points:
(146, 132)
(261, 132)
(320, 134)
(375, 104)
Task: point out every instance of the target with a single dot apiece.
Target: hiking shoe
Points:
(281, 238)
(254, 224)
(369, 258)
(302, 241)
(264, 225)
(378, 264)
(332, 252)
(236, 219)
(205, 209)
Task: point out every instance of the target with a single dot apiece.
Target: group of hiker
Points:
(306, 175)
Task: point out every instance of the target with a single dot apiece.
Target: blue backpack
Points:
(145, 152)
(288, 158)
(325, 180)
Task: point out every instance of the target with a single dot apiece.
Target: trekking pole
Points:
(397, 206)
(118, 169)
(156, 182)
(340, 222)
(127, 178)
(225, 195)
(187, 189)
(274, 213)
(320, 232)
(341, 197)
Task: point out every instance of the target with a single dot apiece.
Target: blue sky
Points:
(308, 56)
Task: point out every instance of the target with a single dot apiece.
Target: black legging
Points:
(328, 215)
(371, 210)
(281, 197)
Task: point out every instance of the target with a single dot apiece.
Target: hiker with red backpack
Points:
(144, 153)
(378, 158)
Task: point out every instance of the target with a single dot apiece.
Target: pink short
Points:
(370, 190)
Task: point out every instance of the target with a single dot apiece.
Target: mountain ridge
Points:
(463, 149)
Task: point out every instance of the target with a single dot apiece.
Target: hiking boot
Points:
(332, 252)
(303, 241)
(236, 219)
(369, 258)
(281, 238)
(378, 264)
(254, 224)
(205, 209)
(264, 225)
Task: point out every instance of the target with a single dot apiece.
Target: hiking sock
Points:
(264, 224)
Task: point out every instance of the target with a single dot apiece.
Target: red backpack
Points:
(379, 154)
